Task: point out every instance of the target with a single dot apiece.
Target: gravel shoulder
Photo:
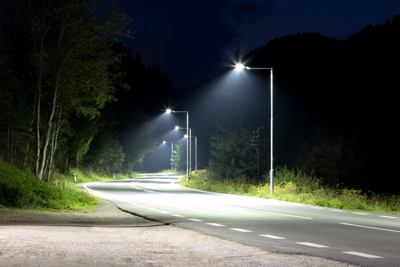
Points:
(107, 236)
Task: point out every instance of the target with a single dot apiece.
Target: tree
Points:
(179, 158)
(105, 154)
(73, 63)
(233, 156)
(13, 132)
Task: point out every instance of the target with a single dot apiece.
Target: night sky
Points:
(194, 39)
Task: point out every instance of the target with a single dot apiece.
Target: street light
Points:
(187, 141)
(195, 148)
(271, 174)
(190, 146)
(172, 154)
(195, 151)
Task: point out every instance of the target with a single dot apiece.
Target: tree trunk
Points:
(49, 132)
(66, 165)
(37, 134)
(8, 141)
(53, 147)
(30, 132)
(39, 37)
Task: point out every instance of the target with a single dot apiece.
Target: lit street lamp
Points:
(187, 141)
(271, 175)
(172, 154)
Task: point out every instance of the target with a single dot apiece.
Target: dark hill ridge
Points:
(334, 102)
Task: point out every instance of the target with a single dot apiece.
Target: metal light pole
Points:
(172, 154)
(190, 144)
(190, 152)
(271, 174)
(187, 141)
(195, 152)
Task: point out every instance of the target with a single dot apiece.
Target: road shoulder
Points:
(107, 236)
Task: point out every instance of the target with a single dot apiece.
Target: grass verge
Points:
(21, 190)
(295, 186)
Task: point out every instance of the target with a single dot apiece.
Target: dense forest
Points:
(71, 94)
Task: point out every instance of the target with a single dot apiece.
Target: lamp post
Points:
(271, 174)
(195, 152)
(187, 141)
(172, 154)
(190, 144)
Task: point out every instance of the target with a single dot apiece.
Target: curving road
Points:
(360, 238)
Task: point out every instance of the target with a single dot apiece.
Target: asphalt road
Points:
(360, 238)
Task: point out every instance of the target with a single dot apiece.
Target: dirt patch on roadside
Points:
(107, 236)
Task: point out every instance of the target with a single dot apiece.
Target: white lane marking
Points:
(153, 209)
(273, 236)
(142, 206)
(360, 213)
(369, 227)
(215, 224)
(240, 230)
(196, 220)
(363, 255)
(177, 215)
(312, 245)
(338, 210)
(133, 203)
(96, 193)
(390, 217)
(281, 214)
(148, 191)
(320, 208)
(161, 211)
(134, 186)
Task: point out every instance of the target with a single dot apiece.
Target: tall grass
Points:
(296, 186)
(20, 189)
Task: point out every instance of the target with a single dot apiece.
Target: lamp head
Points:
(169, 110)
(163, 142)
(239, 66)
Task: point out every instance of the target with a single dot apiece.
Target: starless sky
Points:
(193, 39)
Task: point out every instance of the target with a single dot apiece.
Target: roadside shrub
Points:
(296, 186)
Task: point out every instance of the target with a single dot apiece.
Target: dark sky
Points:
(192, 39)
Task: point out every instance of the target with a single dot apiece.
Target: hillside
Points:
(334, 104)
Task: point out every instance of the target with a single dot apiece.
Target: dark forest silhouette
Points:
(334, 105)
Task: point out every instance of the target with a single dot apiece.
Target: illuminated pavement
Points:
(361, 238)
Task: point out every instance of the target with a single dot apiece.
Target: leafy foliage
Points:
(232, 156)
(179, 159)
(105, 154)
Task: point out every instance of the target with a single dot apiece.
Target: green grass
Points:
(295, 186)
(21, 190)
(85, 176)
